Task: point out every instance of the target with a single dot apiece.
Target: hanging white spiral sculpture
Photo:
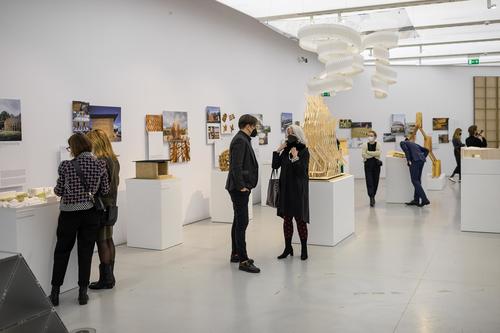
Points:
(380, 42)
(338, 47)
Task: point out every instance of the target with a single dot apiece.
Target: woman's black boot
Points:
(106, 279)
(288, 249)
(83, 298)
(304, 255)
(54, 296)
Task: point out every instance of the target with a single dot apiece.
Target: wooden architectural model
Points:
(224, 160)
(436, 164)
(319, 126)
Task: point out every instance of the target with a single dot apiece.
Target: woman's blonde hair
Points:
(101, 146)
(299, 133)
(457, 134)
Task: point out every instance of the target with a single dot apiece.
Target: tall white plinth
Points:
(331, 209)
(31, 231)
(221, 206)
(154, 209)
(398, 186)
(480, 193)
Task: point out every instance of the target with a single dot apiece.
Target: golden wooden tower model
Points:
(319, 127)
(436, 164)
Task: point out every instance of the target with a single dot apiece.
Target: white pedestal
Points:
(480, 190)
(221, 206)
(436, 184)
(154, 209)
(399, 188)
(331, 209)
(31, 231)
(265, 174)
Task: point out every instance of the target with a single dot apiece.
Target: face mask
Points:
(254, 133)
(371, 138)
(291, 140)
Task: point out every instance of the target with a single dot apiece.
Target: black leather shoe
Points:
(54, 296)
(372, 201)
(304, 255)
(249, 267)
(83, 298)
(412, 203)
(425, 203)
(288, 251)
(235, 258)
(105, 278)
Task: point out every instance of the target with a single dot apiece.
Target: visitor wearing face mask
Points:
(457, 145)
(242, 178)
(293, 159)
(475, 138)
(371, 157)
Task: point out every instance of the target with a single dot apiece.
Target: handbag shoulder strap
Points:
(274, 173)
(79, 173)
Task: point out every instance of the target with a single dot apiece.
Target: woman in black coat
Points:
(293, 159)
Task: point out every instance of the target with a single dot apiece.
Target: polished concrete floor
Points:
(406, 269)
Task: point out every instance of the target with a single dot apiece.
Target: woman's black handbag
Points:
(273, 190)
(110, 217)
(379, 163)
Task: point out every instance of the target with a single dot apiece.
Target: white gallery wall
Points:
(146, 56)
(438, 91)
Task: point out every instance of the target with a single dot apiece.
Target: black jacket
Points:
(294, 183)
(472, 141)
(243, 166)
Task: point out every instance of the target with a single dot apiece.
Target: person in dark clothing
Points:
(475, 138)
(293, 159)
(457, 145)
(371, 157)
(415, 157)
(78, 218)
(242, 178)
(103, 150)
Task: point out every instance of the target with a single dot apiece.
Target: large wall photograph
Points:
(10, 120)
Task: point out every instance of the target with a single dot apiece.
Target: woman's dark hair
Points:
(472, 130)
(79, 143)
(247, 119)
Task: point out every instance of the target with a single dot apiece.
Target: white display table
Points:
(31, 231)
(398, 186)
(221, 206)
(436, 184)
(266, 169)
(480, 192)
(154, 209)
(331, 209)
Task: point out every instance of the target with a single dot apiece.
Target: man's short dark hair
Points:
(247, 119)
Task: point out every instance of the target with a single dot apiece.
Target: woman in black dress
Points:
(293, 159)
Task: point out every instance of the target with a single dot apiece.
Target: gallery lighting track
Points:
(390, 5)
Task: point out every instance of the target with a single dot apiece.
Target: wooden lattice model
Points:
(319, 127)
(224, 160)
(180, 150)
(436, 164)
(154, 123)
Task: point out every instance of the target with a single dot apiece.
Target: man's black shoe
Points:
(236, 258)
(248, 266)
(412, 203)
(425, 203)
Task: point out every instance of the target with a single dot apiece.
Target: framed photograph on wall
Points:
(345, 123)
(213, 115)
(398, 122)
(286, 120)
(360, 129)
(10, 120)
(440, 124)
(213, 133)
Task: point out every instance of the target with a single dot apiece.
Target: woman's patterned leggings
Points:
(288, 228)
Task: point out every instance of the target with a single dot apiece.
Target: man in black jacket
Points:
(242, 178)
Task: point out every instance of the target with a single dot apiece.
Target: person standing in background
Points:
(370, 152)
(457, 145)
(415, 157)
(102, 149)
(293, 159)
(80, 180)
(475, 138)
(242, 178)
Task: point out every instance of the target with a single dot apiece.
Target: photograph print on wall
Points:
(213, 133)
(286, 120)
(10, 120)
(175, 132)
(108, 119)
(398, 122)
(389, 137)
(345, 123)
(213, 114)
(81, 117)
(360, 129)
(440, 124)
(228, 125)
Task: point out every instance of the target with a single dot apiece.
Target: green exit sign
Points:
(325, 94)
(474, 61)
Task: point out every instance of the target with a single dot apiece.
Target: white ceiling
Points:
(432, 32)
